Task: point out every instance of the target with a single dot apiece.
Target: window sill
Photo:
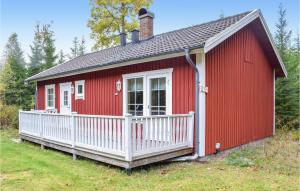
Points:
(79, 97)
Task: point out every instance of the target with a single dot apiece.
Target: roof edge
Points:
(225, 34)
(166, 55)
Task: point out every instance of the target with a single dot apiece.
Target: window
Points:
(79, 89)
(50, 96)
(66, 98)
(135, 96)
(148, 93)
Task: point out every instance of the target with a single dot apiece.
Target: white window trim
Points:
(51, 86)
(79, 96)
(146, 92)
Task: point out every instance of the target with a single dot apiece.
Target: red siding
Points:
(100, 88)
(239, 104)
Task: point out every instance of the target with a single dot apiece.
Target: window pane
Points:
(135, 96)
(154, 84)
(154, 110)
(65, 98)
(139, 108)
(79, 89)
(139, 84)
(162, 83)
(131, 85)
(131, 109)
(50, 91)
(139, 97)
(131, 97)
(162, 112)
(162, 97)
(154, 97)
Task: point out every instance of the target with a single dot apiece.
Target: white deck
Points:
(124, 140)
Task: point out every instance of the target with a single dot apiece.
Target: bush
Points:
(8, 116)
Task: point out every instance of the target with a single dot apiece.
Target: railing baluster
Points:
(119, 134)
(98, 132)
(147, 136)
(106, 132)
(134, 135)
(102, 133)
(143, 133)
(123, 134)
(114, 134)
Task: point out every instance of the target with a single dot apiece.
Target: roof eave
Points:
(111, 65)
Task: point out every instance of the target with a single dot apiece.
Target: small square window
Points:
(79, 89)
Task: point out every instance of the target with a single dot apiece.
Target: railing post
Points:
(40, 128)
(128, 138)
(73, 134)
(191, 129)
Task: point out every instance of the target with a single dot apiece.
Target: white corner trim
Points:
(200, 64)
(220, 37)
(50, 86)
(79, 96)
(146, 76)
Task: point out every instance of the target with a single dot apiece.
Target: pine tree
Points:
(36, 57)
(61, 57)
(74, 49)
(81, 49)
(14, 74)
(36, 60)
(287, 89)
(48, 47)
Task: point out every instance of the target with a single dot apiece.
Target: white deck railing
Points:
(126, 137)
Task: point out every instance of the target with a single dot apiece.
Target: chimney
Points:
(146, 24)
(135, 36)
(123, 38)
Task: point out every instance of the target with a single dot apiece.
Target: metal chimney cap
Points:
(144, 12)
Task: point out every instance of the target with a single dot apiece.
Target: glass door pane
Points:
(158, 96)
(135, 96)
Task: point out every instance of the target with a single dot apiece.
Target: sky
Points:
(70, 17)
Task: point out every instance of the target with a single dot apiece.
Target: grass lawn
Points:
(272, 166)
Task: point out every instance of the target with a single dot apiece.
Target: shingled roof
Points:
(166, 43)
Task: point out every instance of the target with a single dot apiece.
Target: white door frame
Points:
(146, 75)
(168, 92)
(64, 86)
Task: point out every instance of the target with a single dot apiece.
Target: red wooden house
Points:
(133, 102)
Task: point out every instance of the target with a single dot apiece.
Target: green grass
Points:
(274, 166)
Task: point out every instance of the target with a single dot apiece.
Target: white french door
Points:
(148, 93)
(65, 98)
(158, 92)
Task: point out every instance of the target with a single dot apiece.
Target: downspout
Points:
(196, 155)
(190, 61)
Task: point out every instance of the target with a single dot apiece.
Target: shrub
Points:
(8, 116)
